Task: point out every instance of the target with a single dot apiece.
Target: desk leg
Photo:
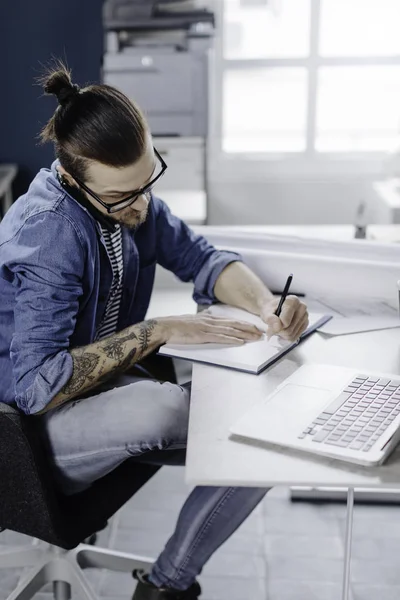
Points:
(347, 548)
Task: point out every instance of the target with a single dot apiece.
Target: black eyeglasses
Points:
(129, 200)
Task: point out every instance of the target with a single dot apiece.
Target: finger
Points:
(233, 332)
(297, 318)
(240, 325)
(274, 324)
(290, 333)
(302, 327)
(215, 338)
(297, 331)
(289, 309)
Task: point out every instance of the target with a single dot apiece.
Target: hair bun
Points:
(66, 93)
(59, 83)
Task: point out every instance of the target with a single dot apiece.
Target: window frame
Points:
(305, 162)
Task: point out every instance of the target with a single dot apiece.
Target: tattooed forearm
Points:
(97, 362)
(84, 365)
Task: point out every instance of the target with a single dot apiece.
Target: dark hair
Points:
(97, 122)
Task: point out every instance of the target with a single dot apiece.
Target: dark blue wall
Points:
(31, 32)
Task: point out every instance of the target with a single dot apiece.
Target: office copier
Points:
(157, 53)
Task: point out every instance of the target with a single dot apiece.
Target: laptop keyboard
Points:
(359, 416)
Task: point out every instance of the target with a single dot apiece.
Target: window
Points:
(358, 108)
(359, 28)
(310, 76)
(259, 29)
(260, 115)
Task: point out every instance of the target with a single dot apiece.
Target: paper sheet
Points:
(346, 307)
(347, 325)
(354, 316)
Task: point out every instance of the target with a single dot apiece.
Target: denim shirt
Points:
(55, 277)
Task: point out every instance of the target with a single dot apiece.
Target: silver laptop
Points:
(331, 411)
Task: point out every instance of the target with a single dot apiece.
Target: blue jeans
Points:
(146, 419)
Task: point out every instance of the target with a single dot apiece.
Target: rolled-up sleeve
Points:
(46, 259)
(188, 255)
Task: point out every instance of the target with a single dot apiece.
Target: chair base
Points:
(64, 568)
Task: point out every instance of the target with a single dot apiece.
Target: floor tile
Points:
(376, 549)
(8, 581)
(383, 572)
(142, 519)
(375, 592)
(304, 569)
(303, 546)
(304, 590)
(233, 588)
(299, 521)
(167, 479)
(228, 565)
(377, 512)
(117, 584)
(244, 542)
(169, 501)
(374, 528)
(142, 542)
(10, 538)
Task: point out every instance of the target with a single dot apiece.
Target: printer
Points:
(157, 53)
(155, 14)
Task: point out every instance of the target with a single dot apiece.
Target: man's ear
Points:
(68, 178)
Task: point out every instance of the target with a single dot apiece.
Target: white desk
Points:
(220, 396)
(379, 233)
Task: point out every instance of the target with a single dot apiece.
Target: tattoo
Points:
(114, 347)
(84, 365)
(145, 330)
(118, 368)
(103, 360)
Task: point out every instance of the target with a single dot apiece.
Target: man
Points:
(77, 262)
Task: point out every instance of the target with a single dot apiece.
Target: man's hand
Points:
(291, 323)
(203, 328)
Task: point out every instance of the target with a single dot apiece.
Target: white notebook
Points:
(252, 357)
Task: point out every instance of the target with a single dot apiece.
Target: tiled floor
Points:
(285, 550)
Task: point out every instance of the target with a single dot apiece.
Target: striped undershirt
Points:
(113, 242)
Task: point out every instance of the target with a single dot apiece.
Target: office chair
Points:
(30, 504)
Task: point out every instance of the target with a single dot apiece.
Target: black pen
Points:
(279, 293)
(284, 294)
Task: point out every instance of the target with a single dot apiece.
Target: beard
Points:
(132, 219)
